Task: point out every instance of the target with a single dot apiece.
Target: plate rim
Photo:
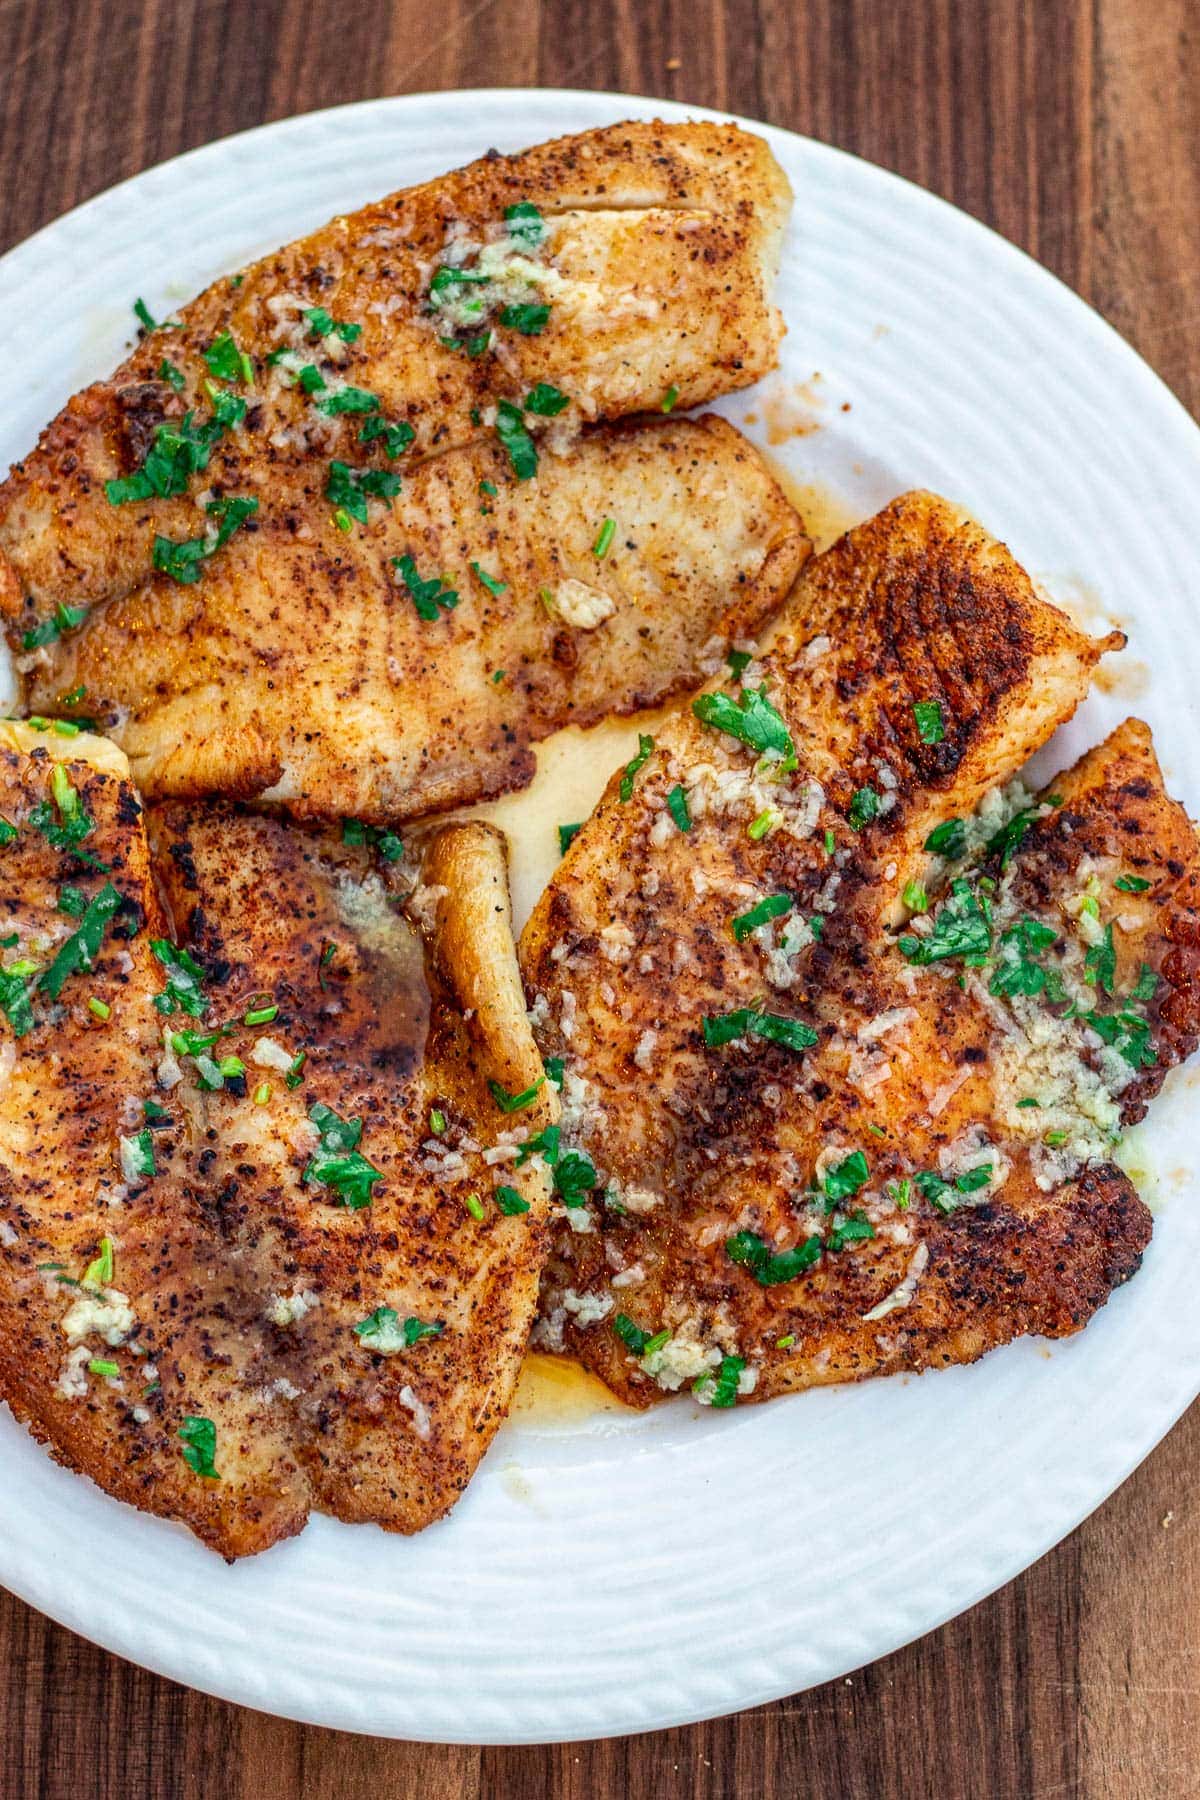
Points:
(1108, 342)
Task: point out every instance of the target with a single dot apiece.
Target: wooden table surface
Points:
(1072, 128)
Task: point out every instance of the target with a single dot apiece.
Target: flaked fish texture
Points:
(410, 665)
(848, 1023)
(627, 269)
(264, 1249)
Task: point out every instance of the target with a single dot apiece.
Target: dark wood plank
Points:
(1071, 128)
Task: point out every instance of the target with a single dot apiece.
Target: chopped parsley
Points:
(14, 997)
(637, 1341)
(748, 1021)
(949, 839)
(81, 949)
(349, 489)
(429, 596)
(554, 1070)
(1146, 985)
(184, 991)
(677, 806)
(852, 1230)
(383, 1332)
(137, 1155)
(773, 907)
(322, 324)
(1100, 963)
(574, 1178)
(545, 1145)
(337, 1163)
(1131, 884)
(1017, 969)
(546, 401)
(144, 316)
(842, 1180)
(65, 824)
(1127, 1033)
(567, 835)
(167, 371)
(1007, 841)
(200, 1446)
(635, 765)
(962, 927)
(182, 561)
(511, 1103)
(510, 1202)
(944, 1194)
(180, 450)
(9, 833)
(492, 583)
(753, 720)
(348, 400)
(719, 1387)
(931, 728)
(226, 362)
(474, 345)
(62, 619)
(770, 1267)
(864, 806)
(739, 661)
(515, 440)
(525, 223)
(529, 319)
(378, 837)
(396, 438)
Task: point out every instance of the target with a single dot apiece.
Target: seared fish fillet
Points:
(630, 267)
(326, 669)
(814, 1147)
(239, 1276)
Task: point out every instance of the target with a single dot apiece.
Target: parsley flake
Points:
(81, 949)
(677, 806)
(748, 1021)
(511, 1103)
(864, 806)
(200, 1446)
(546, 401)
(635, 765)
(429, 597)
(773, 907)
(516, 441)
(771, 1267)
(930, 725)
(337, 1163)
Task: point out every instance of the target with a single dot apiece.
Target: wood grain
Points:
(1071, 128)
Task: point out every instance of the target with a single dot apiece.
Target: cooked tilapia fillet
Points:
(300, 663)
(190, 1244)
(846, 1172)
(656, 252)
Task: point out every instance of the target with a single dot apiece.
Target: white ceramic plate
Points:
(610, 1574)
